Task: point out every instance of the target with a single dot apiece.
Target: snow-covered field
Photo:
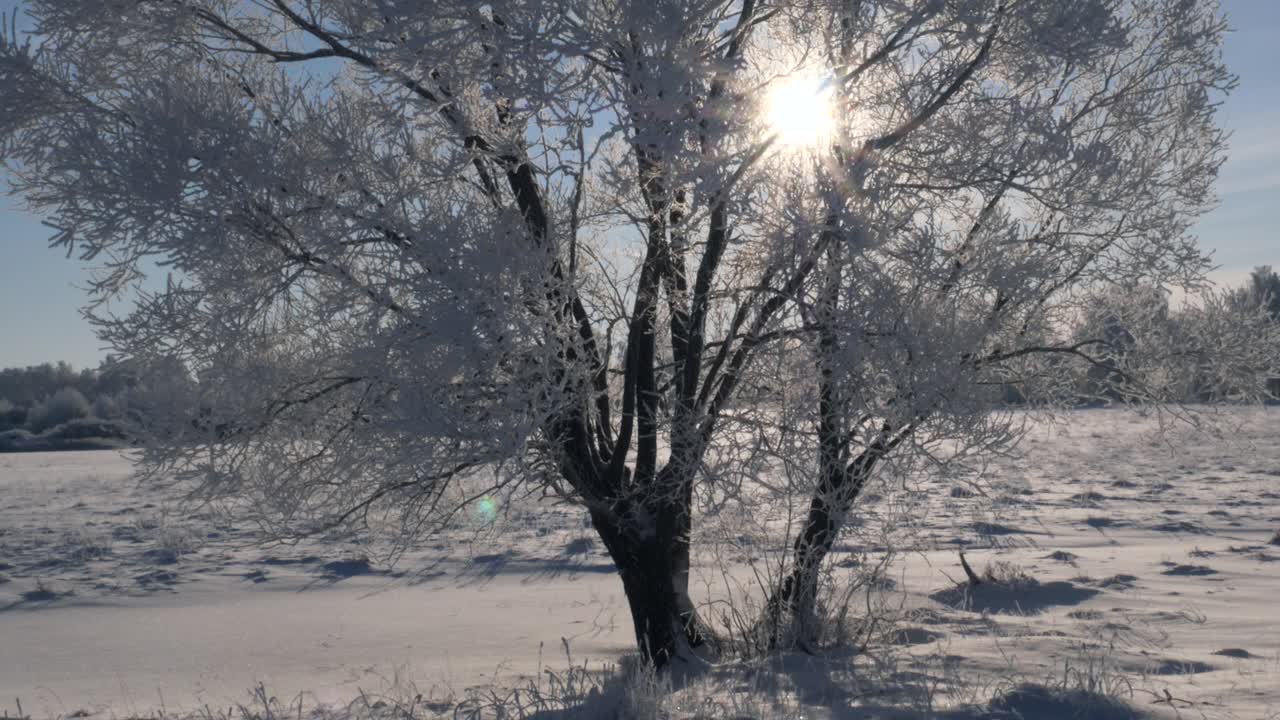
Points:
(1147, 571)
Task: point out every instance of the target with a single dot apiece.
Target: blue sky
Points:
(40, 295)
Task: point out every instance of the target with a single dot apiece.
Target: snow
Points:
(1147, 556)
(112, 641)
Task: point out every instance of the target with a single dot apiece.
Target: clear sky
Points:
(40, 293)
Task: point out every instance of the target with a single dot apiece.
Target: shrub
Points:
(64, 405)
(14, 439)
(84, 428)
(108, 407)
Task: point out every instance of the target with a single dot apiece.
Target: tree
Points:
(1262, 294)
(62, 406)
(26, 386)
(966, 237)
(1261, 291)
(1118, 318)
(11, 416)
(411, 242)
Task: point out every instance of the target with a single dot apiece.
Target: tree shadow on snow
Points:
(338, 570)
(578, 557)
(44, 598)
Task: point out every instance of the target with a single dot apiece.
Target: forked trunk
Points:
(660, 610)
(694, 632)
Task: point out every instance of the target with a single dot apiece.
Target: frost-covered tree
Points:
(999, 173)
(65, 405)
(415, 245)
(1261, 294)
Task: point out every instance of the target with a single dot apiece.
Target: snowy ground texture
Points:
(1129, 568)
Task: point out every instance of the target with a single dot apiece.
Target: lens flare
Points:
(487, 510)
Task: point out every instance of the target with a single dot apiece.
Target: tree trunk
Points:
(831, 502)
(796, 600)
(799, 592)
(798, 596)
(694, 631)
(646, 564)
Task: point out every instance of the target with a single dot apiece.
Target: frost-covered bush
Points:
(14, 439)
(108, 407)
(64, 405)
(1261, 291)
(85, 428)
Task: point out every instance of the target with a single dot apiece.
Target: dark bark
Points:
(836, 490)
(675, 521)
(839, 485)
(646, 566)
(839, 488)
(796, 599)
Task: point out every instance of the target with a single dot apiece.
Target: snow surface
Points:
(1148, 554)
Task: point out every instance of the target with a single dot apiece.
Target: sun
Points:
(799, 110)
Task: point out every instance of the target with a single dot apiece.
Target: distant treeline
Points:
(1261, 290)
(1125, 316)
(56, 407)
(53, 406)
